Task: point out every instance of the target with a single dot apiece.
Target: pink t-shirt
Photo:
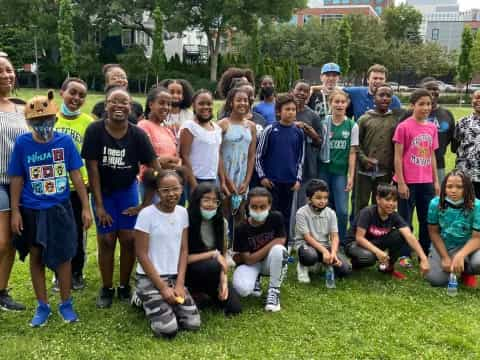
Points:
(162, 139)
(419, 144)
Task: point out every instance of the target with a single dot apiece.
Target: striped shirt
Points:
(12, 125)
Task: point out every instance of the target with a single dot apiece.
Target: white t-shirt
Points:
(165, 235)
(204, 154)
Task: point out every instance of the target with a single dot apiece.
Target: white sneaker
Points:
(257, 290)
(273, 300)
(302, 274)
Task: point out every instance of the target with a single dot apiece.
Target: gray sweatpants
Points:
(437, 277)
(245, 276)
(166, 319)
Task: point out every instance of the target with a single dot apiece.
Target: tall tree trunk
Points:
(214, 48)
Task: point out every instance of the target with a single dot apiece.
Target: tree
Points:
(218, 18)
(344, 39)
(65, 36)
(135, 62)
(402, 23)
(158, 59)
(88, 64)
(475, 54)
(464, 66)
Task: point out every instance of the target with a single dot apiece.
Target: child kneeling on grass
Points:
(317, 230)
(379, 233)
(454, 227)
(260, 241)
(161, 246)
(45, 224)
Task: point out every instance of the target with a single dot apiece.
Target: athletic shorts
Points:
(115, 203)
(4, 197)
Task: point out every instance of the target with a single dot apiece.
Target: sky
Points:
(464, 4)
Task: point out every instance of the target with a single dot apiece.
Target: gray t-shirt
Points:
(320, 226)
(310, 163)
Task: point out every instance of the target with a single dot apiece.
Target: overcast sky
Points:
(464, 4)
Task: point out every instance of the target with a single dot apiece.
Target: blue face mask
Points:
(236, 201)
(43, 128)
(67, 112)
(208, 214)
(453, 202)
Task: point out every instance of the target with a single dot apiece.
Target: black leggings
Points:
(204, 276)
(361, 257)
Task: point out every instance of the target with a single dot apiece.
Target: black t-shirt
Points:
(369, 220)
(118, 159)
(249, 238)
(136, 113)
(317, 104)
(310, 163)
(444, 120)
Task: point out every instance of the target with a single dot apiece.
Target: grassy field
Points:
(366, 317)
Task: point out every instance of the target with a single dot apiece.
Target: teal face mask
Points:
(208, 214)
(67, 112)
(453, 202)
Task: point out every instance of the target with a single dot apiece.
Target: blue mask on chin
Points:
(67, 112)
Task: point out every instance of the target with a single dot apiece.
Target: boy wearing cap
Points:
(44, 225)
(319, 94)
(362, 98)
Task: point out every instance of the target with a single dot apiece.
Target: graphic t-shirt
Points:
(165, 237)
(318, 102)
(76, 129)
(456, 224)
(249, 238)
(375, 227)
(466, 143)
(118, 159)
(341, 138)
(45, 169)
(419, 143)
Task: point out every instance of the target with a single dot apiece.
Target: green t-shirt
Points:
(342, 137)
(456, 225)
(76, 129)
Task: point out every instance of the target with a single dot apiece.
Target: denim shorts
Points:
(4, 197)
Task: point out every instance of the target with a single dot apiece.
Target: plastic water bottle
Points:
(452, 288)
(330, 278)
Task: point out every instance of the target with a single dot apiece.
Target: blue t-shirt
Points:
(280, 153)
(45, 168)
(267, 110)
(456, 224)
(361, 101)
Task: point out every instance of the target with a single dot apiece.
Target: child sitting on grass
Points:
(44, 224)
(378, 233)
(454, 225)
(316, 227)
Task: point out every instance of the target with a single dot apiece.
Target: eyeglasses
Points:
(214, 202)
(174, 190)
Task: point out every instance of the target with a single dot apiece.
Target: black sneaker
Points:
(123, 292)
(78, 282)
(7, 303)
(273, 300)
(105, 297)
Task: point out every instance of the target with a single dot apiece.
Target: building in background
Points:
(325, 13)
(377, 5)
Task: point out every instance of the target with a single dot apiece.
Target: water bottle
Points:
(452, 288)
(330, 278)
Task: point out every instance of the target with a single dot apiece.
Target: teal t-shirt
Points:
(456, 224)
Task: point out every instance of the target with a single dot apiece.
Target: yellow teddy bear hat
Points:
(41, 106)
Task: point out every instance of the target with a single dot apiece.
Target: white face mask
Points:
(453, 202)
(208, 214)
(259, 216)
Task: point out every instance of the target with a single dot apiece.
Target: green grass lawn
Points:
(366, 317)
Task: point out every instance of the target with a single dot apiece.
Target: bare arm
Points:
(363, 242)
(458, 261)
(436, 185)
(16, 186)
(251, 154)
(77, 181)
(186, 139)
(398, 163)
(352, 159)
(193, 258)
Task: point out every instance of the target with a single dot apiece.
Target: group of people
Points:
(188, 198)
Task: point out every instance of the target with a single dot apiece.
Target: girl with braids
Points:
(207, 270)
(454, 227)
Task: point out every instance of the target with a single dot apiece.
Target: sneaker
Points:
(7, 303)
(273, 300)
(469, 280)
(105, 297)
(66, 311)
(78, 282)
(41, 316)
(123, 292)
(302, 274)
(405, 262)
(135, 300)
(55, 286)
(257, 289)
(391, 271)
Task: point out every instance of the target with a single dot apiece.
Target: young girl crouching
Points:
(161, 246)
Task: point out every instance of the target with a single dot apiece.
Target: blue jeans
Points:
(420, 197)
(338, 200)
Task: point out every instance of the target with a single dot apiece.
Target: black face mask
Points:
(316, 209)
(176, 104)
(267, 91)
